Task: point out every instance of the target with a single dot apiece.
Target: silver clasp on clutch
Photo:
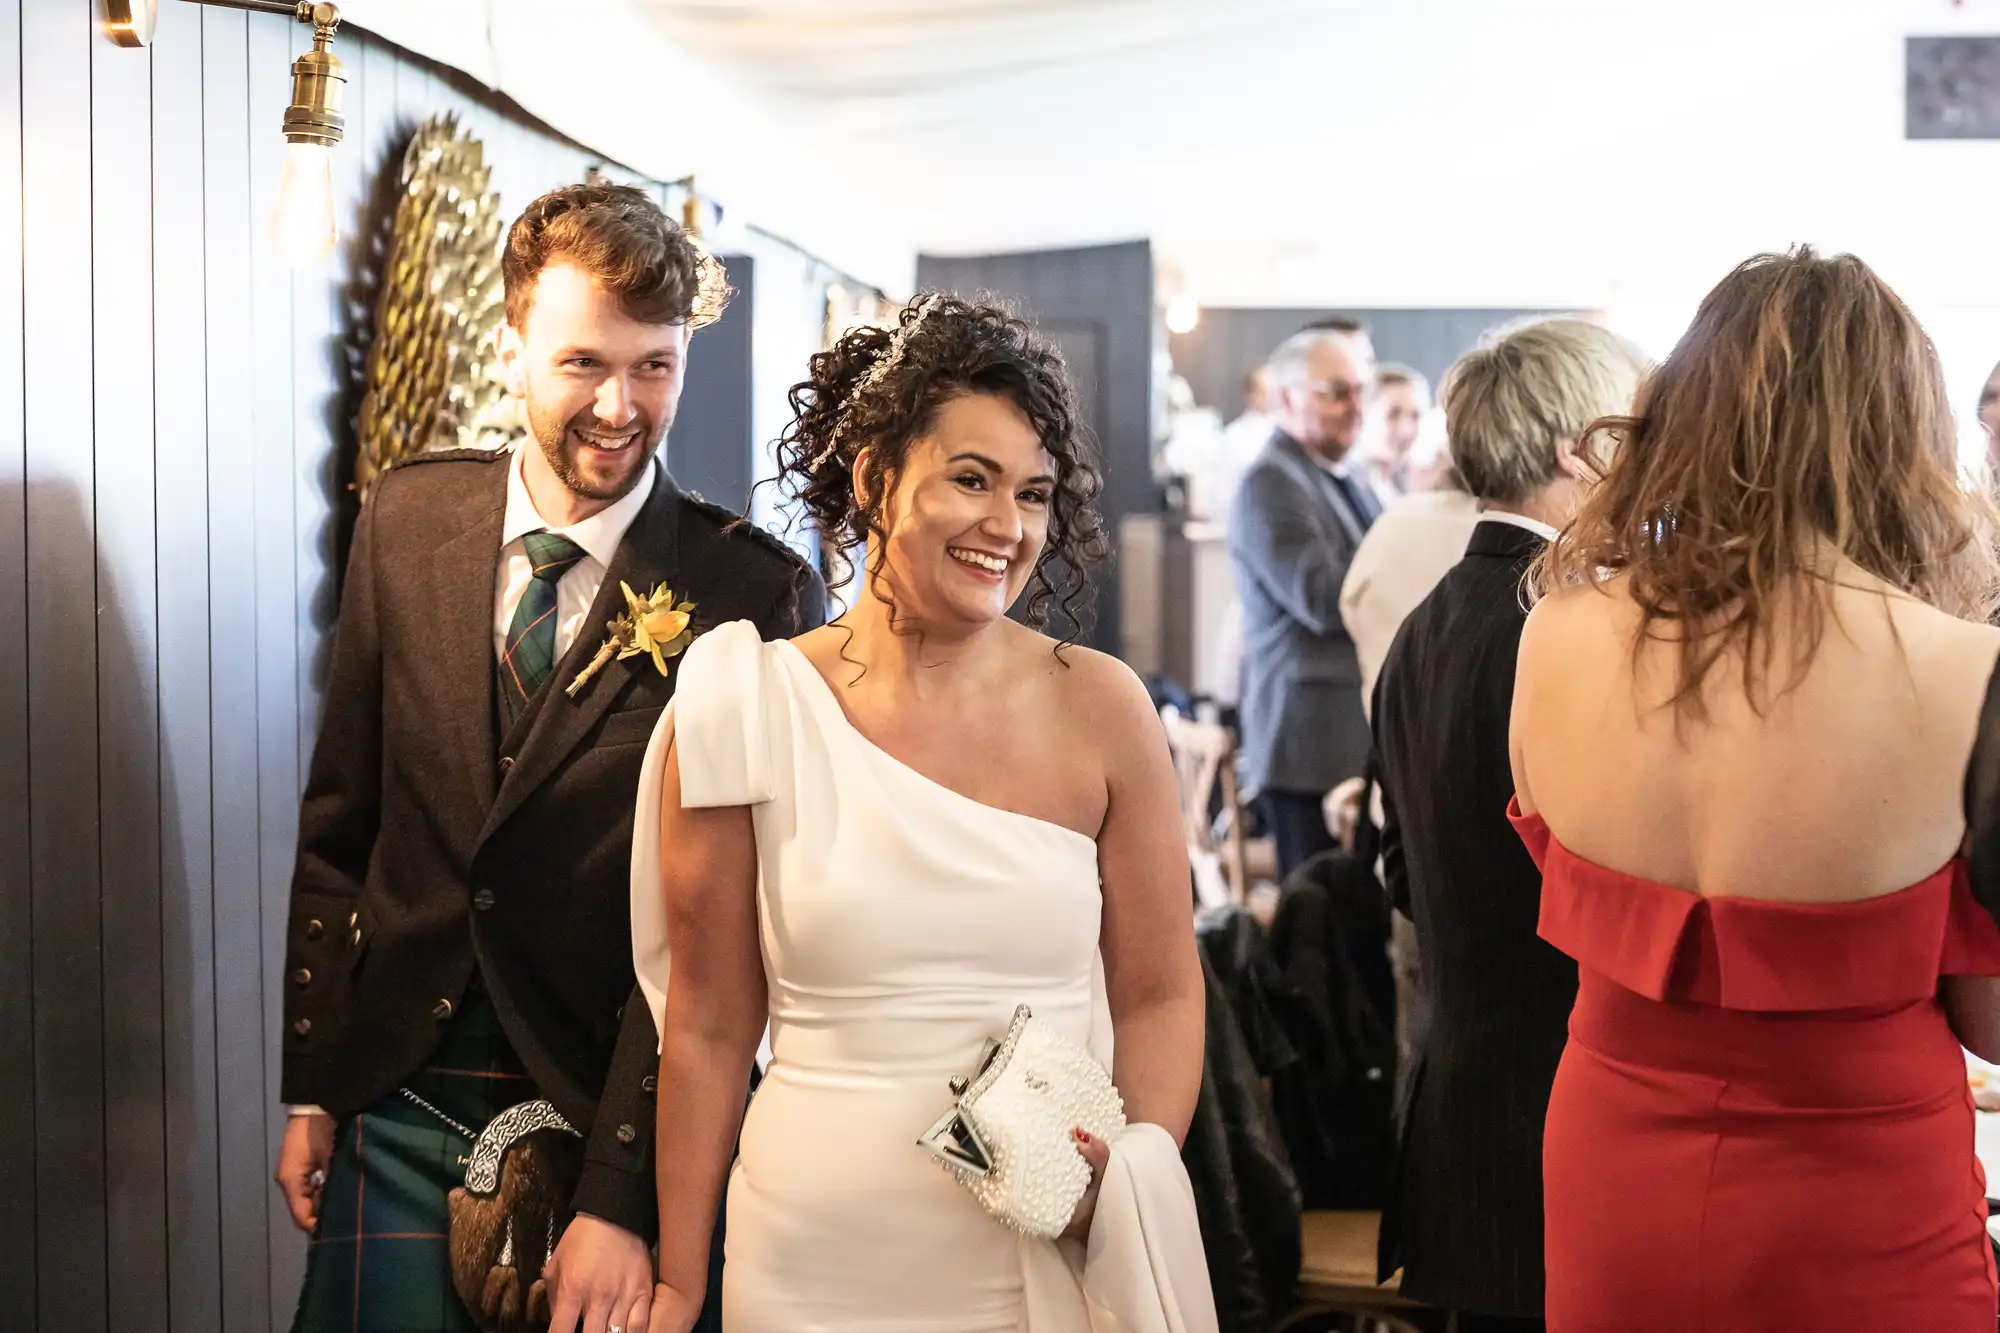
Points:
(952, 1137)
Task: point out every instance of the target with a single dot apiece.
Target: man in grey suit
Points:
(1296, 521)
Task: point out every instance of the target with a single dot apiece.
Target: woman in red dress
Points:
(1742, 719)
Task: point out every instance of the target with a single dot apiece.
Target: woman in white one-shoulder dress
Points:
(883, 836)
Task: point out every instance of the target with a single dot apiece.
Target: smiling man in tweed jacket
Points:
(459, 938)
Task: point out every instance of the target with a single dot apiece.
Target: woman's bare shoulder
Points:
(1946, 644)
(1093, 691)
(1577, 618)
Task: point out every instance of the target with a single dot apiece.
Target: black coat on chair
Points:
(1330, 940)
(1245, 1195)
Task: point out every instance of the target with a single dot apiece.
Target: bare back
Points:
(1847, 787)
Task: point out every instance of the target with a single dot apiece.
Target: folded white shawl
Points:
(1144, 1270)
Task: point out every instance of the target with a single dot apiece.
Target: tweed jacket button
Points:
(441, 1011)
(626, 1133)
(650, 1083)
(506, 764)
(483, 900)
(315, 929)
(303, 977)
(303, 1027)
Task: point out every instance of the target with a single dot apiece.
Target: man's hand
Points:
(302, 1160)
(601, 1275)
(1342, 808)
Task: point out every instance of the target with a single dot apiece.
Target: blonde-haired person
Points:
(1465, 1216)
(1741, 729)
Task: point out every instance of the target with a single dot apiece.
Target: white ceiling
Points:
(1514, 153)
(1377, 152)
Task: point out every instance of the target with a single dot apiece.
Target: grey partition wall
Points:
(1228, 343)
(1097, 302)
(710, 447)
(174, 448)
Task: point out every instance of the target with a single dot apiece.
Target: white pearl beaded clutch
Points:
(1007, 1139)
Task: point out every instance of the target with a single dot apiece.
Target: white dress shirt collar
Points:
(1534, 525)
(598, 535)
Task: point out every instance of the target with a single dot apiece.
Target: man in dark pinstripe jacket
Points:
(1464, 1214)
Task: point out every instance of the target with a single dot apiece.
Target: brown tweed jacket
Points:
(431, 845)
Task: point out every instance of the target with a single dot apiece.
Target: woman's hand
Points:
(672, 1312)
(1098, 1153)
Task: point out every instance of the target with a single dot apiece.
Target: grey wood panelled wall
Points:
(1228, 343)
(174, 446)
(1097, 302)
(709, 448)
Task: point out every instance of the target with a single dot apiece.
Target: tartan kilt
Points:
(380, 1259)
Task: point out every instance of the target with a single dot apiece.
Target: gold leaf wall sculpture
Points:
(433, 381)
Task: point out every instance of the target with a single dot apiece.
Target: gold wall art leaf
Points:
(433, 378)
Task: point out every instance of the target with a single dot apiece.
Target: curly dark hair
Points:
(618, 235)
(953, 349)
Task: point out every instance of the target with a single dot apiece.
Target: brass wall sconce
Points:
(302, 219)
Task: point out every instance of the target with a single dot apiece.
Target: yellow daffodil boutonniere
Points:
(652, 625)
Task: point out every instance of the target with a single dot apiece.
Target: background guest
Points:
(1405, 553)
(1242, 440)
(1254, 424)
(1298, 518)
(1354, 330)
(1395, 419)
(1464, 1215)
(1989, 416)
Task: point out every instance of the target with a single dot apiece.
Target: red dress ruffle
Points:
(1761, 1121)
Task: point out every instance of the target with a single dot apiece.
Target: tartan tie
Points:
(531, 639)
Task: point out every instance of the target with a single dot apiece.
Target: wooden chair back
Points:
(1204, 756)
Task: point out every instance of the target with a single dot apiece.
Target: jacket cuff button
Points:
(626, 1133)
(441, 1010)
(650, 1083)
(315, 929)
